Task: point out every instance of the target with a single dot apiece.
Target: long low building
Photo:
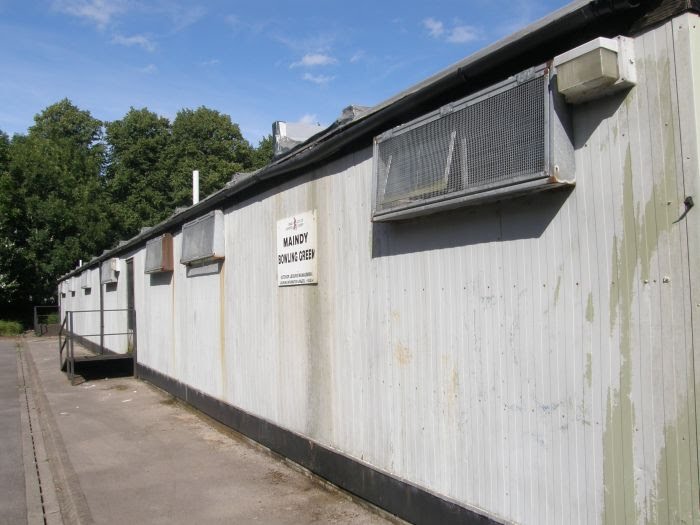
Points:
(473, 303)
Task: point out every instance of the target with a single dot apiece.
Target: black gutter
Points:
(531, 46)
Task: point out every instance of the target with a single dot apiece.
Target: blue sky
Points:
(256, 61)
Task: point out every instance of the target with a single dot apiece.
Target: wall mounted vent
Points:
(511, 138)
(110, 270)
(85, 281)
(203, 239)
(159, 254)
(596, 69)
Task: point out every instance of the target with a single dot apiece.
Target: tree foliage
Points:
(262, 155)
(53, 206)
(206, 140)
(137, 181)
(72, 186)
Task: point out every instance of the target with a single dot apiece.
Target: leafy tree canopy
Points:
(72, 186)
(137, 181)
(208, 141)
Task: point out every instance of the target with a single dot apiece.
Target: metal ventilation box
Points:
(110, 270)
(159, 254)
(511, 138)
(85, 279)
(203, 239)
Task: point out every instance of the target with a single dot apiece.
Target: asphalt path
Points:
(13, 507)
(118, 450)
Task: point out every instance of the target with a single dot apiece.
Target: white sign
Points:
(296, 250)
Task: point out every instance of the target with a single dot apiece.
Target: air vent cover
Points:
(159, 254)
(203, 239)
(85, 281)
(110, 271)
(509, 138)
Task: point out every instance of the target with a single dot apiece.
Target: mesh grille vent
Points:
(203, 238)
(159, 254)
(489, 140)
(154, 255)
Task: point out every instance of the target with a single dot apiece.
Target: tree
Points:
(208, 141)
(263, 154)
(9, 286)
(54, 210)
(137, 181)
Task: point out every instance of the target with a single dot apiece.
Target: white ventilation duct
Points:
(288, 135)
(195, 186)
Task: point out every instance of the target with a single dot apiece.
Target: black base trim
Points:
(397, 496)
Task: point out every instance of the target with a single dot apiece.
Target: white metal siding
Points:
(533, 358)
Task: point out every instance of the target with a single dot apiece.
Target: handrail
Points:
(66, 336)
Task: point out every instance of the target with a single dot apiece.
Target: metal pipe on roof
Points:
(195, 187)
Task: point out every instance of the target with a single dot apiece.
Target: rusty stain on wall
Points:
(402, 354)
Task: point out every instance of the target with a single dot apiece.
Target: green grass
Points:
(10, 328)
(52, 319)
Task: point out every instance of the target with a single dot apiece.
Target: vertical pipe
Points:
(71, 364)
(102, 314)
(134, 353)
(195, 186)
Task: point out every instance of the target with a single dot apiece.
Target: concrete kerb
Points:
(62, 498)
(30, 444)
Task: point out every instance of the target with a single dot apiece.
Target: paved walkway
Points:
(122, 451)
(13, 507)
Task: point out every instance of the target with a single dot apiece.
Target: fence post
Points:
(36, 322)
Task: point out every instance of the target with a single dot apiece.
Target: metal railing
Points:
(67, 335)
(44, 317)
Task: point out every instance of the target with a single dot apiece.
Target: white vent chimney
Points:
(287, 135)
(195, 186)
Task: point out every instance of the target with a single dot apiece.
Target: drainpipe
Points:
(102, 313)
(195, 186)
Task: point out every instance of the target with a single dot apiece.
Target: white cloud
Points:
(210, 63)
(321, 80)
(182, 17)
(233, 21)
(359, 55)
(99, 12)
(315, 59)
(462, 34)
(309, 118)
(135, 40)
(148, 70)
(457, 34)
(253, 27)
(434, 27)
(320, 43)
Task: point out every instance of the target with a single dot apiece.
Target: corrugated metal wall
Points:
(533, 358)
(88, 322)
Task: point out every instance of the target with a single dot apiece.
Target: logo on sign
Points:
(295, 223)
